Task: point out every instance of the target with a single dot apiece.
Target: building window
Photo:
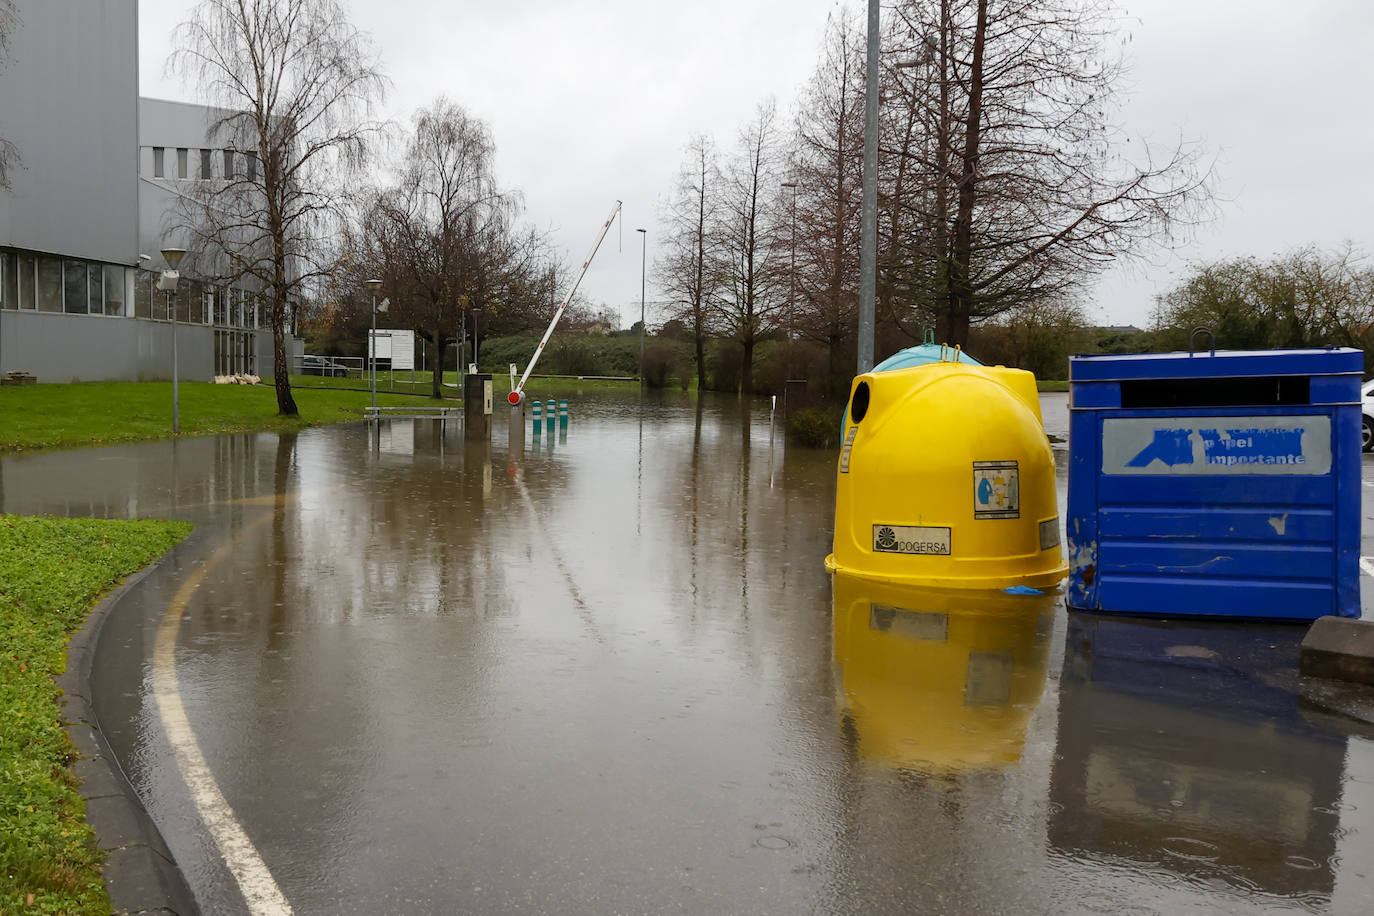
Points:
(95, 282)
(182, 163)
(159, 162)
(114, 290)
(49, 285)
(9, 280)
(229, 163)
(27, 293)
(252, 166)
(205, 165)
(143, 294)
(74, 286)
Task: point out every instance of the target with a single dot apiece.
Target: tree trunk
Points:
(746, 384)
(281, 381)
(701, 358)
(961, 284)
(437, 388)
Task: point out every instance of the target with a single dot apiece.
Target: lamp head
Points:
(373, 285)
(173, 256)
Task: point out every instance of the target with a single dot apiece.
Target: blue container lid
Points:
(1221, 364)
(921, 354)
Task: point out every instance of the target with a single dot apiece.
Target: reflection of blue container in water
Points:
(1180, 746)
(1225, 484)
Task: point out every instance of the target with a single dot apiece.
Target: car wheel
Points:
(1367, 434)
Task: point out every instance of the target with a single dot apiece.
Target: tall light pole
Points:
(168, 282)
(643, 263)
(792, 277)
(868, 238)
(373, 285)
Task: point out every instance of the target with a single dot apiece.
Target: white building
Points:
(93, 203)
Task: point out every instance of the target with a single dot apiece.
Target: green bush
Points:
(566, 354)
(815, 427)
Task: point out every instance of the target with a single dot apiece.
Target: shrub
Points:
(815, 427)
(658, 365)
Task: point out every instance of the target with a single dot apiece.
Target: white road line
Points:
(1367, 565)
(258, 886)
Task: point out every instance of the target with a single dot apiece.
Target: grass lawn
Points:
(1052, 384)
(51, 573)
(103, 413)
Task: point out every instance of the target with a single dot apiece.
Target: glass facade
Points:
(47, 284)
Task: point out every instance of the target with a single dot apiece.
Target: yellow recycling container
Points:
(946, 479)
(938, 681)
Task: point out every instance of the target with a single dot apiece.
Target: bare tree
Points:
(747, 256)
(682, 268)
(9, 154)
(296, 82)
(1023, 194)
(444, 235)
(828, 176)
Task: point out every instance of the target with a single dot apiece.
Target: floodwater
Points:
(611, 675)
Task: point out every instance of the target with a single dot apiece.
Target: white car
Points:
(1367, 408)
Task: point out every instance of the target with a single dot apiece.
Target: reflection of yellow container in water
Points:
(939, 681)
(946, 479)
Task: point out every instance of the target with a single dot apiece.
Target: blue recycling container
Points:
(1215, 484)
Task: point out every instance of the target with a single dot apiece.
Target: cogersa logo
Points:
(910, 539)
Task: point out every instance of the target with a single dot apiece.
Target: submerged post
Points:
(477, 406)
(517, 427)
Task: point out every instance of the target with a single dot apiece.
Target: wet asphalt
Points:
(611, 675)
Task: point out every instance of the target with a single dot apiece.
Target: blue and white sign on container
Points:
(1217, 445)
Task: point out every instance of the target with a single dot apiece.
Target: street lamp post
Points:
(643, 262)
(792, 276)
(373, 285)
(868, 236)
(170, 276)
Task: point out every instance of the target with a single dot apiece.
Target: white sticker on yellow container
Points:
(910, 539)
(996, 490)
(1049, 533)
(848, 446)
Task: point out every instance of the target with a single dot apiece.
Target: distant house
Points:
(92, 207)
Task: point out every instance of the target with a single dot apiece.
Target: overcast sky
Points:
(591, 101)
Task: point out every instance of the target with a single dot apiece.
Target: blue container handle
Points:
(1193, 336)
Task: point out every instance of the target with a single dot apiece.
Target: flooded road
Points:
(611, 674)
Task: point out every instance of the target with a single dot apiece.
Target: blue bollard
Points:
(563, 415)
(537, 412)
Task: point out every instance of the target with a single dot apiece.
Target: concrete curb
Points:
(1339, 648)
(140, 873)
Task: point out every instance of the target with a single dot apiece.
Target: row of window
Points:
(41, 283)
(204, 164)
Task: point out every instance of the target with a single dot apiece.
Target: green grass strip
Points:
(52, 572)
(106, 413)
